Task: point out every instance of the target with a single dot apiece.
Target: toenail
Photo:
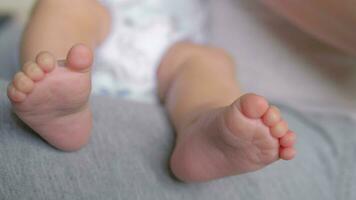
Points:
(280, 129)
(276, 117)
(35, 69)
(22, 82)
(46, 60)
(273, 117)
(22, 78)
(288, 153)
(18, 77)
(289, 139)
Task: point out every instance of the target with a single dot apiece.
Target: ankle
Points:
(181, 54)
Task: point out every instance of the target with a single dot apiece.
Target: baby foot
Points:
(53, 99)
(243, 137)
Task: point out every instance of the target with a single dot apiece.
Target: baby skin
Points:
(220, 131)
(53, 100)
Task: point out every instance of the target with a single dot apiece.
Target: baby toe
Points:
(253, 106)
(33, 71)
(46, 61)
(280, 129)
(272, 116)
(287, 153)
(288, 140)
(15, 95)
(23, 83)
(80, 58)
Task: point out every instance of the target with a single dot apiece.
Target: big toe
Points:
(253, 106)
(79, 58)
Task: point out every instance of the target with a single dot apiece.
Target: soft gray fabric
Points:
(129, 151)
(9, 52)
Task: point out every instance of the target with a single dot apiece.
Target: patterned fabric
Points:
(141, 32)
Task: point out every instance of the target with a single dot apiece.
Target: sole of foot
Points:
(53, 99)
(242, 137)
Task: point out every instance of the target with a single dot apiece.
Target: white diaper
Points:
(142, 30)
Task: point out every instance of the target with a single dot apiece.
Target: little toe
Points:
(15, 95)
(80, 58)
(272, 116)
(287, 153)
(288, 140)
(33, 71)
(253, 106)
(23, 83)
(46, 61)
(280, 129)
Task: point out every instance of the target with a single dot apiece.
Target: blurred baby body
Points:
(333, 21)
(141, 31)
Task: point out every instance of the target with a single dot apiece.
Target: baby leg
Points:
(53, 99)
(220, 131)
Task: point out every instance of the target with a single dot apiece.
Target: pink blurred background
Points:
(333, 21)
